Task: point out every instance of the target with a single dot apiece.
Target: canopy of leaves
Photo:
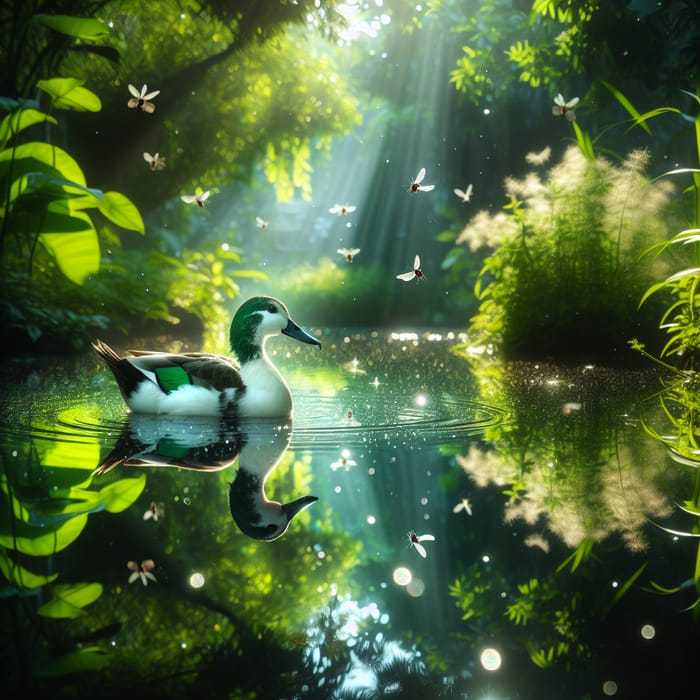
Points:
(233, 94)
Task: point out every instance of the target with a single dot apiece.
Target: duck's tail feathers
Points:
(127, 376)
(107, 354)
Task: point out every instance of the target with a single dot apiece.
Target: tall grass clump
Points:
(681, 315)
(565, 276)
(679, 397)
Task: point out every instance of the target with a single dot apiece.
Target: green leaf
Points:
(579, 555)
(584, 142)
(56, 510)
(643, 118)
(121, 211)
(21, 119)
(625, 587)
(41, 185)
(76, 254)
(40, 541)
(665, 591)
(39, 156)
(68, 93)
(87, 659)
(69, 599)
(122, 494)
(114, 206)
(78, 27)
(627, 105)
(20, 577)
(690, 272)
(59, 610)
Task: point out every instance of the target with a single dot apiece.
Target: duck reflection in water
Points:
(262, 448)
(213, 444)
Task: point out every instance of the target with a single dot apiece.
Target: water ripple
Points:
(324, 422)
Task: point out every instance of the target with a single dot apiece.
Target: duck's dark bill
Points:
(293, 331)
(294, 507)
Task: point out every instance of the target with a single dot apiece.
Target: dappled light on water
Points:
(414, 495)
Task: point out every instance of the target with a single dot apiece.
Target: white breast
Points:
(266, 393)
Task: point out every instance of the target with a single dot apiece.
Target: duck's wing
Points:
(170, 371)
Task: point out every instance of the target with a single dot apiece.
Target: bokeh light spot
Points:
(416, 588)
(402, 576)
(648, 631)
(490, 659)
(196, 580)
(610, 687)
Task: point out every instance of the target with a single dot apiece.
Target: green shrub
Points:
(565, 276)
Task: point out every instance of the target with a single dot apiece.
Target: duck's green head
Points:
(257, 319)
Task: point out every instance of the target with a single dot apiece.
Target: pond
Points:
(557, 567)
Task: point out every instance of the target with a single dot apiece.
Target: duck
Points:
(203, 384)
(263, 445)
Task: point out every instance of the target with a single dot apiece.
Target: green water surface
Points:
(549, 576)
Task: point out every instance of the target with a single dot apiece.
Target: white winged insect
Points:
(342, 209)
(155, 162)
(198, 198)
(349, 253)
(416, 186)
(416, 540)
(155, 511)
(141, 99)
(415, 273)
(260, 222)
(563, 108)
(463, 505)
(344, 462)
(142, 571)
(465, 196)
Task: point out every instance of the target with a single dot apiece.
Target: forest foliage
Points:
(251, 97)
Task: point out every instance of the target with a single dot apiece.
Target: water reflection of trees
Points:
(581, 484)
(168, 637)
(570, 456)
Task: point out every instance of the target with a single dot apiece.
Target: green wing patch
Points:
(167, 447)
(171, 378)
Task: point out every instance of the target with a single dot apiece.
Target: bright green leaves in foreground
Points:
(78, 27)
(21, 578)
(70, 599)
(40, 526)
(69, 93)
(21, 119)
(46, 192)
